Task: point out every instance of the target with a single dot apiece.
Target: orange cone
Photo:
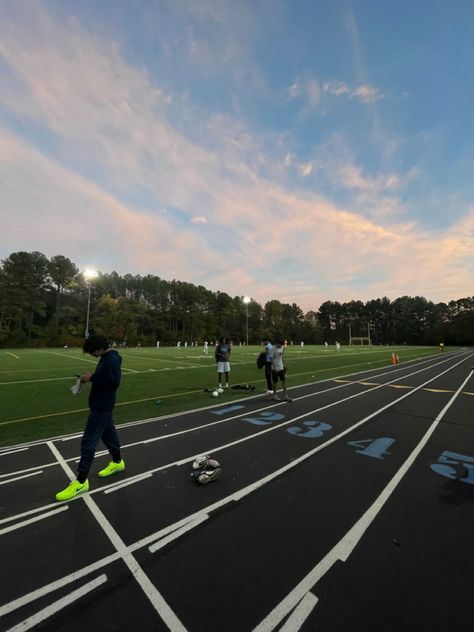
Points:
(394, 359)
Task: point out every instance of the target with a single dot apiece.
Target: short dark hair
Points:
(94, 343)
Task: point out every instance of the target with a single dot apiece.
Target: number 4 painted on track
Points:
(453, 458)
(376, 448)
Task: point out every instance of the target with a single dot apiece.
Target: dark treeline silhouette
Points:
(44, 301)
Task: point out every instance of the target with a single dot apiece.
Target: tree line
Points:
(44, 302)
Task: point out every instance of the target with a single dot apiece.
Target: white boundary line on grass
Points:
(342, 550)
(143, 475)
(139, 422)
(220, 421)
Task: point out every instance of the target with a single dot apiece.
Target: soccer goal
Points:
(360, 340)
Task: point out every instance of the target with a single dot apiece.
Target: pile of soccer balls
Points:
(217, 391)
(205, 470)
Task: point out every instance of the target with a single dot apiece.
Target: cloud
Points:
(366, 94)
(131, 168)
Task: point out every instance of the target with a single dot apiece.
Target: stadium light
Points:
(247, 300)
(88, 275)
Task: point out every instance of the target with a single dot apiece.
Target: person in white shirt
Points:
(278, 371)
(206, 347)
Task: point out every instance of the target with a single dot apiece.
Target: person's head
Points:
(223, 340)
(265, 341)
(95, 345)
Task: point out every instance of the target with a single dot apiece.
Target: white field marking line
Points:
(55, 607)
(138, 477)
(174, 434)
(12, 354)
(130, 424)
(141, 477)
(5, 452)
(349, 541)
(140, 422)
(59, 583)
(25, 523)
(300, 613)
(70, 357)
(19, 478)
(178, 533)
(245, 491)
(150, 590)
(28, 513)
(29, 469)
(191, 519)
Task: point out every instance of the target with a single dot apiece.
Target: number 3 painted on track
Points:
(316, 429)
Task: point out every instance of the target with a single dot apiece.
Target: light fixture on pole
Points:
(88, 274)
(247, 300)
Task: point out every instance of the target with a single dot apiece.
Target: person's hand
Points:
(86, 377)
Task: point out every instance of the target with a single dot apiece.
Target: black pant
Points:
(268, 375)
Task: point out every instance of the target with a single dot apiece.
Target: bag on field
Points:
(261, 360)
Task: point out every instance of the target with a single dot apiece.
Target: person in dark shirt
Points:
(222, 355)
(100, 424)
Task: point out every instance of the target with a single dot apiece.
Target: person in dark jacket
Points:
(222, 358)
(100, 424)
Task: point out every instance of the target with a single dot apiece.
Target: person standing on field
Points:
(268, 364)
(222, 354)
(278, 371)
(100, 424)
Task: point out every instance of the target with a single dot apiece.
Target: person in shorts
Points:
(278, 371)
(222, 358)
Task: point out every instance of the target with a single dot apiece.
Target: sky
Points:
(299, 150)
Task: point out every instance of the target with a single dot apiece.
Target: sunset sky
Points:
(303, 150)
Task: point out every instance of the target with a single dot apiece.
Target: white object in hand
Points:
(77, 387)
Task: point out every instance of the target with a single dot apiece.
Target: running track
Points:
(350, 509)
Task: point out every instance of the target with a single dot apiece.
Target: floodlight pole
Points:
(86, 333)
(247, 300)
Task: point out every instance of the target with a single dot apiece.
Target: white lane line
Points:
(177, 533)
(28, 513)
(150, 590)
(12, 354)
(141, 422)
(300, 613)
(5, 452)
(141, 477)
(347, 544)
(249, 489)
(59, 583)
(55, 607)
(25, 523)
(19, 478)
(29, 469)
(137, 478)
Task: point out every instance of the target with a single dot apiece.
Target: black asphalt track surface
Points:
(349, 509)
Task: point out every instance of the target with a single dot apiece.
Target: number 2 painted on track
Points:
(447, 459)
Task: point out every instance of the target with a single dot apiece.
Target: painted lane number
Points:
(375, 448)
(448, 459)
(313, 429)
(264, 419)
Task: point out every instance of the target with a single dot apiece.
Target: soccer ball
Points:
(220, 391)
(215, 393)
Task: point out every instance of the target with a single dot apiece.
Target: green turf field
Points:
(37, 401)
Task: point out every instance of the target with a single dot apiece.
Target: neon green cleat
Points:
(112, 468)
(72, 490)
